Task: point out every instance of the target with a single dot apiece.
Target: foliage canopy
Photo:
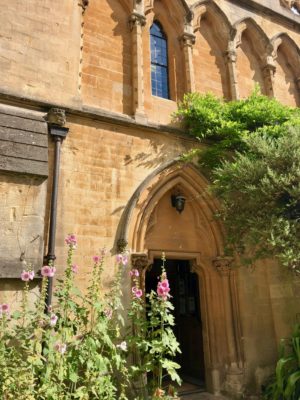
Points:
(252, 153)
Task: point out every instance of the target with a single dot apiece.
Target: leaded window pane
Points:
(159, 61)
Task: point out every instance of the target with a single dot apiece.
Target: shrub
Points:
(285, 384)
(253, 160)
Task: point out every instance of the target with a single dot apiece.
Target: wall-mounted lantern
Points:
(178, 202)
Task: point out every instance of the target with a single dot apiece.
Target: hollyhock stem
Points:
(24, 303)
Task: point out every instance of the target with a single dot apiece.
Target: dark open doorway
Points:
(185, 294)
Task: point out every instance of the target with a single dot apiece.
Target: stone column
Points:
(140, 262)
(187, 41)
(230, 61)
(137, 21)
(269, 73)
(234, 374)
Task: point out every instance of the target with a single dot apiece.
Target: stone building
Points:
(96, 82)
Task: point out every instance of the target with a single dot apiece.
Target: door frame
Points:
(222, 347)
(195, 267)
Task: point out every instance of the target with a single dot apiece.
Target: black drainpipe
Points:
(56, 118)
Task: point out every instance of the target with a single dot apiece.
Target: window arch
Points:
(159, 61)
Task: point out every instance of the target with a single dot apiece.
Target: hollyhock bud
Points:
(134, 272)
(74, 268)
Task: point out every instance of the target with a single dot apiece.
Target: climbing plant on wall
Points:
(251, 151)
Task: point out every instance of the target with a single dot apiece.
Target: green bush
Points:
(228, 125)
(285, 385)
(253, 159)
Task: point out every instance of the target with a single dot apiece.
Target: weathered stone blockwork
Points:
(117, 168)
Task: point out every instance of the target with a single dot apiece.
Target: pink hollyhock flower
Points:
(108, 312)
(119, 258)
(74, 268)
(4, 309)
(134, 272)
(138, 293)
(122, 346)
(60, 347)
(71, 241)
(125, 260)
(96, 259)
(31, 275)
(53, 319)
(27, 276)
(163, 289)
(165, 284)
(48, 271)
(122, 259)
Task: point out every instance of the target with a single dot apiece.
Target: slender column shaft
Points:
(230, 60)
(187, 41)
(137, 21)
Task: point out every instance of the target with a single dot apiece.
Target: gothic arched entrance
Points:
(185, 297)
(194, 239)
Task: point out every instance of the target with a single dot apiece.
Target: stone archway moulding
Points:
(219, 296)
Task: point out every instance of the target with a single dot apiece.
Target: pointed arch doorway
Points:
(193, 240)
(185, 297)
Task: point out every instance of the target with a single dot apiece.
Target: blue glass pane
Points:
(159, 81)
(159, 61)
(156, 30)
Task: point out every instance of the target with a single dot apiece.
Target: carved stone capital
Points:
(137, 19)
(230, 56)
(121, 244)
(139, 261)
(187, 39)
(223, 265)
(56, 116)
(269, 70)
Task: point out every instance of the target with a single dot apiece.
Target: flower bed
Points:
(75, 349)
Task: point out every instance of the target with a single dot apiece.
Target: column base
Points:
(234, 382)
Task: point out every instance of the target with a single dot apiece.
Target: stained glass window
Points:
(159, 62)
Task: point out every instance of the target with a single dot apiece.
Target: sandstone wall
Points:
(40, 49)
(54, 53)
